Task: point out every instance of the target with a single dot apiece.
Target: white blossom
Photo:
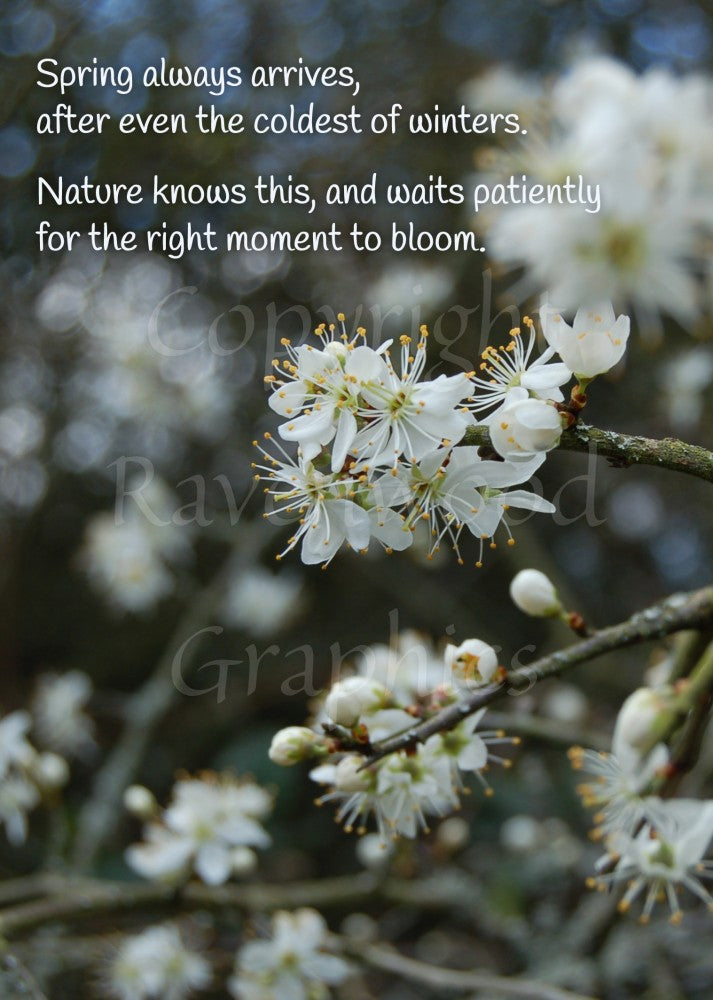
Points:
(156, 965)
(140, 801)
(403, 790)
(472, 662)
(466, 748)
(644, 222)
(593, 344)
(509, 367)
(618, 787)
(121, 562)
(18, 796)
(294, 964)
(205, 828)
(50, 771)
(15, 749)
(327, 511)
(665, 854)
(24, 775)
(261, 602)
(410, 667)
(319, 392)
(378, 449)
(456, 489)
(59, 719)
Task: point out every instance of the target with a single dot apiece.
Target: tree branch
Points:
(79, 900)
(623, 450)
(144, 711)
(72, 899)
(389, 960)
(675, 613)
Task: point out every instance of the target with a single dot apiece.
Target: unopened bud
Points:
(291, 745)
(351, 698)
(636, 723)
(373, 852)
(474, 661)
(140, 802)
(50, 771)
(453, 834)
(243, 860)
(535, 594)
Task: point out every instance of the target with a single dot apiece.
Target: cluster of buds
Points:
(396, 688)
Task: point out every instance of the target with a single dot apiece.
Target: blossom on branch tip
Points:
(594, 343)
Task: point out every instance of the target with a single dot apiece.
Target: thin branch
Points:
(144, 711)
(623, 450)
(84, 900)
(675, 613)
(71, 900)
(388, 960)
(16, 980)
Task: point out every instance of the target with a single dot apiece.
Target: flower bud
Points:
(349, 776)
(50, 771)
(140, 802)
(473, 661)
(373, 852)
(243, 860)
(535, 594)
(453, 834)
(524, 428)
(635, 728)
(351, 698)
(293, 744)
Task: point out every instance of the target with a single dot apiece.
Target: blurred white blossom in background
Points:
(293, 965)
(25, 775)
(129, 557)
(647, 141)
(261, 602)
(156, 965)
(209, 827)
(59, 721)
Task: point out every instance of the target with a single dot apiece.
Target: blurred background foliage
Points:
(73, 326)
